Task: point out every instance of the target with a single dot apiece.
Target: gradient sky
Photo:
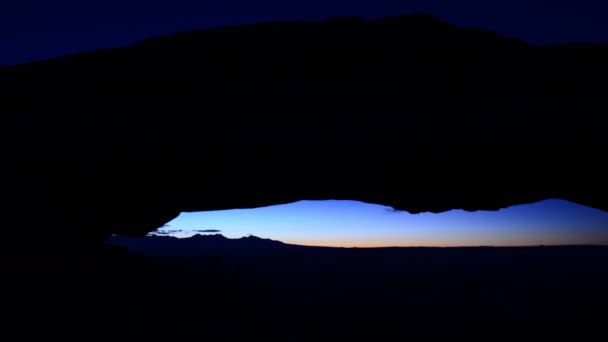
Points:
(41, 29)
(357, 224)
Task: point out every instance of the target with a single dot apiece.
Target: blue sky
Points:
(357, 224)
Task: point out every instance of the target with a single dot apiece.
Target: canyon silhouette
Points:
(405, 111)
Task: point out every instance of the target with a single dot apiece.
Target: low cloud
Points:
(167, 231)
(207, 230)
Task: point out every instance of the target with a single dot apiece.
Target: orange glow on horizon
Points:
(380, 243)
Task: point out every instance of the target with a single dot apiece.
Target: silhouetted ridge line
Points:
(419, 28)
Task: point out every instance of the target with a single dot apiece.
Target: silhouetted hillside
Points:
(304, 293)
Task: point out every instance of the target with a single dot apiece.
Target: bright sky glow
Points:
(357, 224)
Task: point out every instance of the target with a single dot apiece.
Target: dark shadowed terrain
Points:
(213, 287)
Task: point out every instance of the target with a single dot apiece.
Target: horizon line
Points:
(378, 247)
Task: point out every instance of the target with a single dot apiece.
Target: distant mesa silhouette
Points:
(207, 238)
(170, 245)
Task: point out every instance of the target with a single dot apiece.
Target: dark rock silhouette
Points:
(404, 111)
(388, 293)
(303, 293)
(196, 244)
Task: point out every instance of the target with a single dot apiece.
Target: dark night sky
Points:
(40, 29)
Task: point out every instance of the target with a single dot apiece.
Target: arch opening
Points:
(345, 223)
